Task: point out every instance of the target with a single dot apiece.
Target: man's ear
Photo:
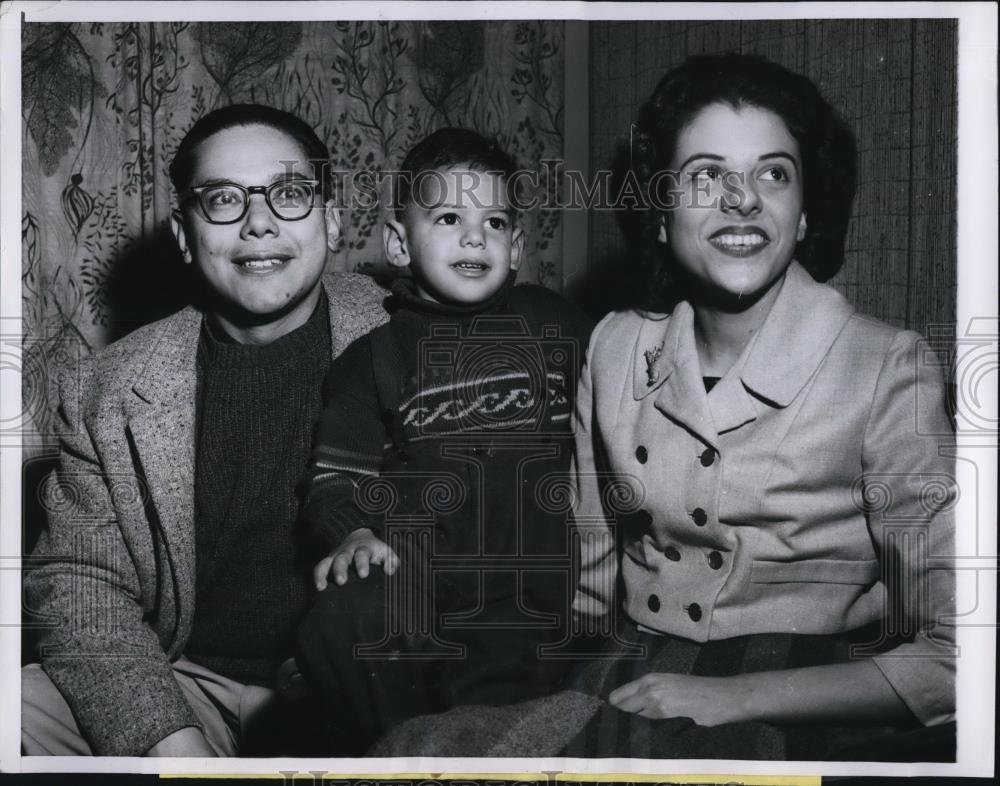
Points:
(331, 216)
(177, 227)
(516, 248)
(394, 242)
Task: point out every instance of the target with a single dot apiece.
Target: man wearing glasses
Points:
(173, 587)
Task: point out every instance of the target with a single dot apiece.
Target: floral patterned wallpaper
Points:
(105, 106)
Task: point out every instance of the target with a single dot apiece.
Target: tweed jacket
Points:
(116, 574)
(781, 500)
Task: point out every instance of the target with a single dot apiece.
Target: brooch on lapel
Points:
(652, 355)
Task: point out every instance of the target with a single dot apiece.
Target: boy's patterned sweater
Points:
(447, 414)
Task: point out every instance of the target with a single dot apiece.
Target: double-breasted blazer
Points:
(782, 500)
(115, 575)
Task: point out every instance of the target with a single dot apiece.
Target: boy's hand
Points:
(363, 549)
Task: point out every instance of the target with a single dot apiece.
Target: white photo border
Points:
(977, 305)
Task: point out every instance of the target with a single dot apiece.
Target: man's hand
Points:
(363, 549)
(184, 742)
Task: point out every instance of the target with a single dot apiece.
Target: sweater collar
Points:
(219, 349)
(405, 295)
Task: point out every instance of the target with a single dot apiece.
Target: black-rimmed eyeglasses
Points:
(227, 203)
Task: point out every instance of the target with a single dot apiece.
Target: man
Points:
(172, 580)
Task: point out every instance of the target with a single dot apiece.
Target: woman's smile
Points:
(740, 241)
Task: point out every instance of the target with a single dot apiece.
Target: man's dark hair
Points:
(448, 148)
(237, 115)
(826, 146)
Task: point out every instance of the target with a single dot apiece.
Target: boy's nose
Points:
(472, 235)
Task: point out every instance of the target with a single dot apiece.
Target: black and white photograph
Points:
(578, 389)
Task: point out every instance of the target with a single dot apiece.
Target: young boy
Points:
(440, 456)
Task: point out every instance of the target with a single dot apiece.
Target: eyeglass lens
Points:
(228, 202)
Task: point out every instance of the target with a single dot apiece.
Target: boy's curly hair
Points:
(826, 146)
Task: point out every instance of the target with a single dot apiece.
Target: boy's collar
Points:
(404, 294)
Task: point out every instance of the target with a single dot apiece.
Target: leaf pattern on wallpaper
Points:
(77, 204)
(348, 156)
(59, 88)
(31, 255)
(237, 55)
(366, 67)
(106, 237)
(150, 63)
(49, 344)
(486, 112)
(297, 87)
(448, 54)
(532, 80)
(529, 145)
(49, 348)
(371, 90)
(379, 126)
(151, 60)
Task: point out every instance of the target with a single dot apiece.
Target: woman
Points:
(748, 446)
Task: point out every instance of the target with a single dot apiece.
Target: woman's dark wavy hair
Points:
(826, 146)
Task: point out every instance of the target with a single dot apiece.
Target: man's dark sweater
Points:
(257, 407)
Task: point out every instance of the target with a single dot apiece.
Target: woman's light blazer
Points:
(814, 476)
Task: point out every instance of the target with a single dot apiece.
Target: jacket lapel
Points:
(672, 371)
(731, 404)
(805, 320)
(161, 421)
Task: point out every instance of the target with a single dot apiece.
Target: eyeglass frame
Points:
(249, 191)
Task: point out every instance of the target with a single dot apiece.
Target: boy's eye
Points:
(497, 222)
(449, 219)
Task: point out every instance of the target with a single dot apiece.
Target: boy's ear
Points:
(177, 228)
(516, 248)
(331, 216)
(394, 241)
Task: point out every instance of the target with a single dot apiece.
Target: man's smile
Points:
(261, 262)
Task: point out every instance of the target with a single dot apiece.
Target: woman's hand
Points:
(363, 549)
(854, 692)
(709, 701)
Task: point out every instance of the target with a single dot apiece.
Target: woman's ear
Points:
(516, 249)
(394, 242)
(801, 234)
(661, 236)
(177, 227)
